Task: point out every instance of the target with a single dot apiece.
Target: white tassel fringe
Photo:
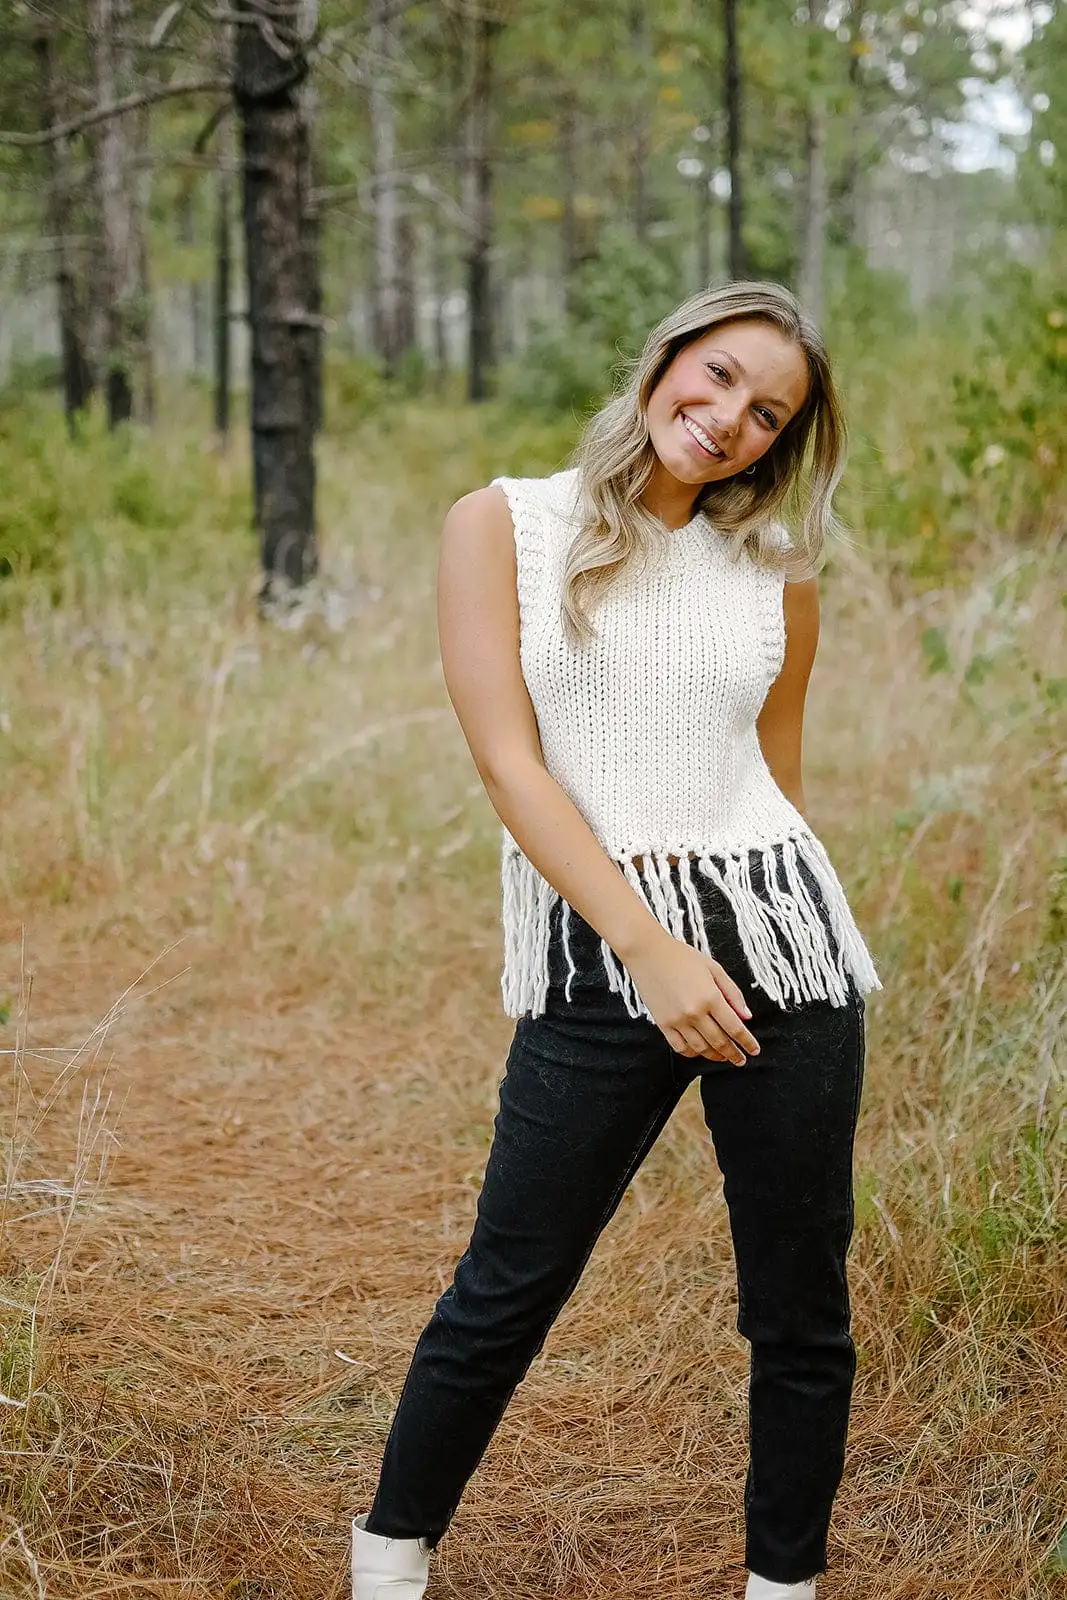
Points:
(782, 916)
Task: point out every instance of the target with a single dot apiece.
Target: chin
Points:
(686, 470)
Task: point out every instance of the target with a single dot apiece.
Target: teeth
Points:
(700, 436)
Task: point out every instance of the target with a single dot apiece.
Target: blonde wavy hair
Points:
(615, 459)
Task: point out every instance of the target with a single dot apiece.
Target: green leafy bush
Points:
(569, 366)
(125, 506)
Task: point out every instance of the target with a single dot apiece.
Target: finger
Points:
(730, 1023)
(688, 1043)
(676, 1041)
(712, 1042)
(732, 992)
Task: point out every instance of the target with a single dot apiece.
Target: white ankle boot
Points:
(764, 1589)
(387, 1569)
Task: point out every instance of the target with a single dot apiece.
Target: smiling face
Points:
(723, 401)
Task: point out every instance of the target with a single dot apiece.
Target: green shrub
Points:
(106, 509)
(559, 373)
(568, 368)
(355, 391)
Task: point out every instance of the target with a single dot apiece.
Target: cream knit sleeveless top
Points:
(651, 731)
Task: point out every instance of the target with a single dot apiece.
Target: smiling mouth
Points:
(704, 440)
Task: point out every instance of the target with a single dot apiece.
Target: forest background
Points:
(278, 281)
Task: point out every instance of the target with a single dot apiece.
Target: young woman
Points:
(627, 645)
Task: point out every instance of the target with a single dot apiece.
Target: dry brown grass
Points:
(255, 1075)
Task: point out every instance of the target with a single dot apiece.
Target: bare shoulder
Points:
(800, 597)
(800, 607)
(483, 509)
(477, 546)
(477, 549)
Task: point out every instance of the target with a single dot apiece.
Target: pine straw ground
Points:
(252, 878)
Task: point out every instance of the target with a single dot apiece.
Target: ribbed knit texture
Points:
(651, 731)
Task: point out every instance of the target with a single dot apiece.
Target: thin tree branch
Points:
(204, 137)
(164, 23)
(132, 102)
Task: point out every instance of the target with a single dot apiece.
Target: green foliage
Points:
(957, 416)
(1019, 1216)
(561, 372)
(354, 389)
(625, 291)
(33, 375)
(16, 1349)
(1057, 1561)
(118, 505)
(616, 299)
(1010, 404)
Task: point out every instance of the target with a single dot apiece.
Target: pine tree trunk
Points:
(383, 45)
(639, 43)
(144, 366)
(406, 279)
(311, 227)
(850, 186)
(478, 202)
(127, 371)
(118, 249)
(736, 259)
(815, 190)
(269, 69)
(222, 292)
(223, 343)
(439, 269)
(76, 371)
(186, 227)
(568, 178)
(811, 268)
(703, 230)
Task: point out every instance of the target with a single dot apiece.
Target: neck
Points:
(672, 502)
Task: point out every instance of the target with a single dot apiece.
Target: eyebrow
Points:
(771, 400)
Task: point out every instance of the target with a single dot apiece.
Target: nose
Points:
(727, 418)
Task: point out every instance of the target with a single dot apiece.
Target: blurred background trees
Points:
(498, 197)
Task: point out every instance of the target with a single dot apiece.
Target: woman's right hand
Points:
(695, 1003)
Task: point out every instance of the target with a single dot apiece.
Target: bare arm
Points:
(780, 724)
(478, 627)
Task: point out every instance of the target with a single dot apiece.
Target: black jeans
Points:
(587, 1091)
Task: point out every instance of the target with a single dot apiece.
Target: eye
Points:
(768, 417)
(719, 372)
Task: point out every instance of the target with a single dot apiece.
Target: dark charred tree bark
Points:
(736, 259)
(223, 343)
(478, 200)
(70, 300)
(308, 22)
(270, 66)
